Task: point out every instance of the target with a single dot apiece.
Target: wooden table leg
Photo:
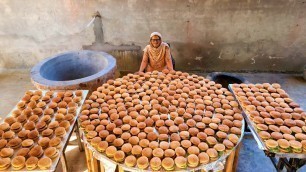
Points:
(229, 162)
(120, 169)
(77, 132)
(94, 162)
(236, 157)
(102, 166)
(232, 160)
(88, 159)
(64, 162)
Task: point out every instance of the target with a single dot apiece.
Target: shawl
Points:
(156, 56)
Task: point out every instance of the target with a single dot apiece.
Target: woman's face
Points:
(155, 41)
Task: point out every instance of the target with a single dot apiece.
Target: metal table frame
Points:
(80, 145)
(291, 165)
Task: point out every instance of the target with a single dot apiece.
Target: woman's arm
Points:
(168, 59)
(144, 62)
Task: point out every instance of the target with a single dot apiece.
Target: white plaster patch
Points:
(220, 55)
(253, 60)
(271, 57)
(211, 43)
(198, 58)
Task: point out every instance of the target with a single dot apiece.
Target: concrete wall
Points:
(205, 35)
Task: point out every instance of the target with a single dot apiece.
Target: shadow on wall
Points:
(204, 58)
(235, 57)
(207, 58)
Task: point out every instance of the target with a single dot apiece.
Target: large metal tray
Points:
(260, 142)
(111, 165)
(64, 140)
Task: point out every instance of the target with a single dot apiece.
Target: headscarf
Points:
(156, 54)
(155, 34)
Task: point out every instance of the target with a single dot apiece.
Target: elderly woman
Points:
(157, 55)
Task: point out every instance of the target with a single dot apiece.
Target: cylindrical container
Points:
(74, 70)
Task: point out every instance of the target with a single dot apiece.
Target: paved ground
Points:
(251, 159)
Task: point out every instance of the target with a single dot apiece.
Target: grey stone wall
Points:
(205, 35)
